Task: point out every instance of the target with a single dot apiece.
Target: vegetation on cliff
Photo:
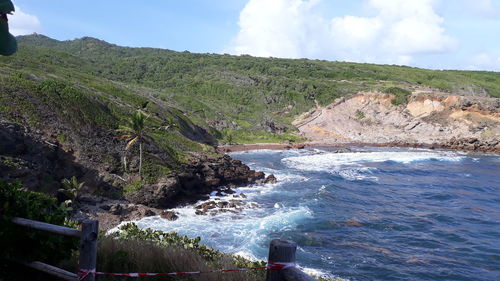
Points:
(250, 99)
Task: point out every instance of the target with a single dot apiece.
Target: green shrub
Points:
(61, 138)
(71, 187)
(401, 95)
(360, 114)
(133, 187)
(152, 171)
(130, 231)
(27, 244)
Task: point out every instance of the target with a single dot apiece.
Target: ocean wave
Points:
(331, 161)
(353, 174)
(247, 232)
(320, 273)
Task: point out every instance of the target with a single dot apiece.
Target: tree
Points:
(135, 132)
(71, 187)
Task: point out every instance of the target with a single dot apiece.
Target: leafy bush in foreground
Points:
(27, 244)
(135, 250)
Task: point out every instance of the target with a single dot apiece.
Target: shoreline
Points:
(117, 211)
(112, 212)
(452, 145)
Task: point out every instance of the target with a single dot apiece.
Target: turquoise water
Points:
(377, 214)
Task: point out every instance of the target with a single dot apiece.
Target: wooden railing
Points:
(88, 247)
(280, 251)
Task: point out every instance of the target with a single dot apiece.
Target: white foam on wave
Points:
(327, 160)
(283, 179)
(246, 234)
(350, 165)
(290, 177)
(320, 273)
(353, 174)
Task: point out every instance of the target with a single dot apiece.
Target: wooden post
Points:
(280, 251)
(88, 248)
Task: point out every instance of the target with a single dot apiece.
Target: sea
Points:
(369, 214)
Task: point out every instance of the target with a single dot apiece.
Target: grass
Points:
(400, 95)
(133, 187)
(249, 137)
(207, 87)
(152, 170)
(117, 255)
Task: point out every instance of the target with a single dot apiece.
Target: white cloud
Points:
(412, 26)
(21, 23)
(275, 28)
(398, 30)
(355, 31)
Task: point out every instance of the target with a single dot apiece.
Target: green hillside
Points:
(242, 98)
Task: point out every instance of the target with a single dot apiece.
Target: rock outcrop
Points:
(215, 207)
(270, 179)
(202, 176)
(428, 118)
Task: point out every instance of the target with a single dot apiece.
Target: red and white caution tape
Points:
(270, 266)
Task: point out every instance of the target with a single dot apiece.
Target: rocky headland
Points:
(41, 163)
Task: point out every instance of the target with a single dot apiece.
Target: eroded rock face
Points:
(202, 176)
(271, 127)
(35, 160)
(428, 118)
(472, 144)
(159, 195)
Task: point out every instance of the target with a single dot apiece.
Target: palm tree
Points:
(135, 132)
(71, 187)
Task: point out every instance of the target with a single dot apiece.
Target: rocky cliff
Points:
(426, 118)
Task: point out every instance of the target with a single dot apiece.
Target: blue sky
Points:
(439, 34)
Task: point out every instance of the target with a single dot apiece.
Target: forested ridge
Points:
(246, 98)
